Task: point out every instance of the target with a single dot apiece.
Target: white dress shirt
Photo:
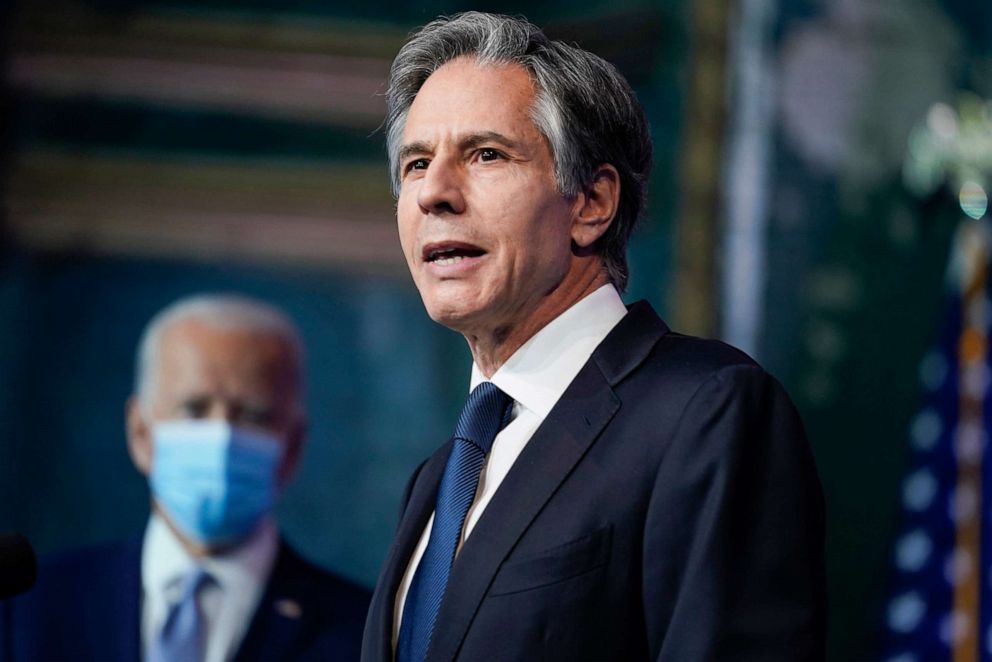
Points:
(228, 603)
(535, 376)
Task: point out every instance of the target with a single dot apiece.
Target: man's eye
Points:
(417, 164)
(258, 416)
(489, 154)
(195, 408)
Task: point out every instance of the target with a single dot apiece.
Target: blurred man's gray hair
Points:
(584, 108)
(218, 311)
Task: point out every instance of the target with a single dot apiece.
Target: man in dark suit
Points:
(613, 490)
(217, 425)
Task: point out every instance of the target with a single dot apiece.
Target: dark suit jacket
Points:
(87, 606)
(668, 508)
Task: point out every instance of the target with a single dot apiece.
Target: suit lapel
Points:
(547, 459)
(417, 511)
(281, 614)
(557, 446)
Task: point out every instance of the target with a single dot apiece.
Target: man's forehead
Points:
(465, 99)
(193, 330)
(468, 66)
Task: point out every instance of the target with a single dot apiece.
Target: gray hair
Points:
(584, 108)
(218, 311)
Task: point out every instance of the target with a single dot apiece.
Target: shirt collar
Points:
(165, 562)
(537, 374)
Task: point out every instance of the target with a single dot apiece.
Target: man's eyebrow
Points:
(476, 139)
(410, 149)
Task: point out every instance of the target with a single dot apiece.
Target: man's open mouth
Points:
(448, 254)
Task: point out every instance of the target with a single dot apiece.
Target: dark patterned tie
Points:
(482, 417)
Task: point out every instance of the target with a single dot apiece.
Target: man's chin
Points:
(200, 548)
(459, 318)
(193, 544)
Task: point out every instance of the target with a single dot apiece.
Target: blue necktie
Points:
(482, 417)
(183, 636)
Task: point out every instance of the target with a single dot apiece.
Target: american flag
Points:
(940, 602)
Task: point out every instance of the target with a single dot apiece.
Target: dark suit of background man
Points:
(217, 425)
(653, 495)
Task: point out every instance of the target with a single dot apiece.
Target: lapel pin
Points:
(289, 608)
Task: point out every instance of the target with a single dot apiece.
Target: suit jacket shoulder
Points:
(642, 344)
(681, 380)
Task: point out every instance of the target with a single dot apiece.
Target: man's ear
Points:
(294, 451)
(596, 206)
(139, 436)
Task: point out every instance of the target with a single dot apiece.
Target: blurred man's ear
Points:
(294, 451)
(139, 436)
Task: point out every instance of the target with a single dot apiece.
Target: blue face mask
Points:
(215, 480)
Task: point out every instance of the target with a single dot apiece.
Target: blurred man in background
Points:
(217, 425)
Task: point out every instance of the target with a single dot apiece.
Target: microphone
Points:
(18, 567)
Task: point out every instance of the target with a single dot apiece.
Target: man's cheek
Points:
(407, 244)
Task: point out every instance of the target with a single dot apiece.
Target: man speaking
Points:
(612, 490)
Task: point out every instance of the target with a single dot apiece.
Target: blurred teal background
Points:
(154, 149)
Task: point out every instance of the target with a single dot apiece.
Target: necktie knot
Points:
(183, 633)
(484, 414)
(193, 582)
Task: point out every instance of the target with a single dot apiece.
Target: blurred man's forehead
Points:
(193, 334)
(192, 349)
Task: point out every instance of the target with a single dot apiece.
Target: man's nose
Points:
(221, 410)
(441, 188)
